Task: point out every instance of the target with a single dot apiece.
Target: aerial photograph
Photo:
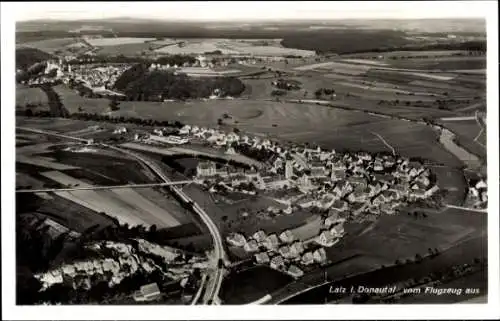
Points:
(296, 161)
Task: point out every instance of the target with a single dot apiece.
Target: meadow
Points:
(330, 127)
(75, 103)
(72, 215)
(124, 204)
(102, 42)
(251, 284)
(458, 235)
(51, 45)
(470, 136)
(31, 97)
(229, 46)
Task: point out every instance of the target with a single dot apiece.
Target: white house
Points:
(307, 258)
(295, 272)
(320, 255)
(259, 236)
(251, 246)
(287, 236)
(325, 239)
(337, 230)
(262, 258)
(271, 242)
(236, 239)
(206, 169)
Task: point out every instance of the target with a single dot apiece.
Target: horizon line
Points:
(250, 20)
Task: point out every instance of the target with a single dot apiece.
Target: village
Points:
(128, 260)
(341, 186)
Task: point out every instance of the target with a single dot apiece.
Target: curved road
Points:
(215, 279)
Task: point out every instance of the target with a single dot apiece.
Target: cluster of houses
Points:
(96, 78)
(282, 252)
(125, 262)
(92, 76)
(478, 194)
(316, 178)
(200, 61)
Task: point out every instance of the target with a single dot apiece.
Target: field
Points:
(124, 204)
(121, 170)
(31, 96)
(459, 235)
(470, 136)
(447, 64)
(51, 45)
(252, 284)
(452, 180)
(477, 280)
(228, 46)
(73, 101)
(42, 162)
(70, 214)
(330, 127)
(207, 72)
(126, 49)
(102, 42)
(193, 151)
(23, 179)
(405, 54)
(337, 67)
(53, 124)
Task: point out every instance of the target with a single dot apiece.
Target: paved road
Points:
(477, 210)
(43, 132)
(215, 279)
(459, 118)
(83, 188)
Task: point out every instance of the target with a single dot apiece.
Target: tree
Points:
(220, 122)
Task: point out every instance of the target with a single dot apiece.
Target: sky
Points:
(262, 10)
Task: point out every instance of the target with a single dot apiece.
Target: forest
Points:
(139, 84)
